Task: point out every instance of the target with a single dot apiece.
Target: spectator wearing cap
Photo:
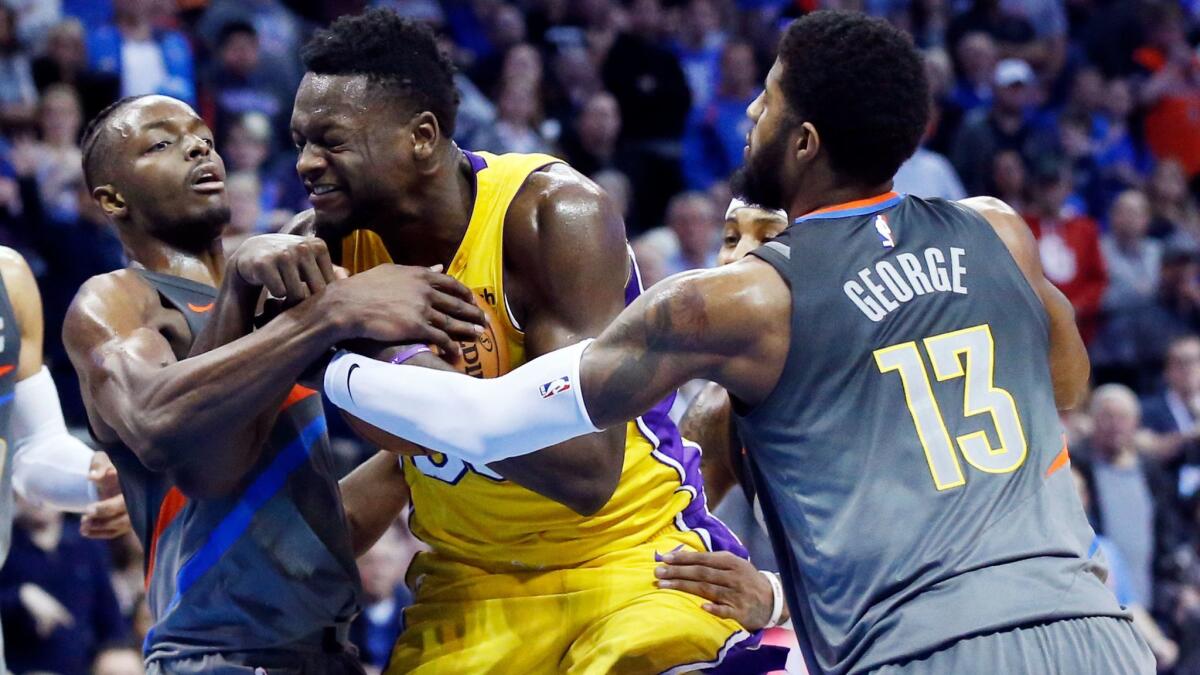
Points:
(148, 60)
(1005, 126)
(1068, 244)
(241, 81)
(716, 133)
(1179, 293)
(65, 61)
(1134, 262)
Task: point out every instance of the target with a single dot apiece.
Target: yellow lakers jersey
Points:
(469, 513)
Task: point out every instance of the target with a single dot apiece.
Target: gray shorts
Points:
(1099, 645)
(254, 664)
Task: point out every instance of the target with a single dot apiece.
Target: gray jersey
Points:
(910, 460)
(10, 353)
(267, 569)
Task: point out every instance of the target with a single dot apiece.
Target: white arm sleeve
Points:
(479, 421)
(50, 466)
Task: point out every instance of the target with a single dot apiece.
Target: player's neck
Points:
(155, 255)
(427, 226)
(833, 194)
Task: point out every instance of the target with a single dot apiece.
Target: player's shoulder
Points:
(105, 301)
(14, 268)
(557, 203)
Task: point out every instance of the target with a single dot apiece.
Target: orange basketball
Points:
(486, 357)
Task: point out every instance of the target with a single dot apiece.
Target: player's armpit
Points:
(707, 422)
(1069, 364)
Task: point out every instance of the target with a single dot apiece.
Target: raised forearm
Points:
(373, 495)
(233, 314)
(182, 411)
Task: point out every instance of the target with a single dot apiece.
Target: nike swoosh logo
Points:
(200, 309)
(348, 374)
(4, 370)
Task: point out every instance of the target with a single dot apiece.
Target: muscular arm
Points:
(1069, 365)
(373, 496)
(559, 215)
(730, 325)
(708, 424)
(195, 419)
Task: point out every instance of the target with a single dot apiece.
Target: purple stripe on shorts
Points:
(671, 450)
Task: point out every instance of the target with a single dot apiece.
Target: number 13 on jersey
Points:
(970, 354)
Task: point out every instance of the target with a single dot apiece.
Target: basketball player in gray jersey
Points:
(895, 366)
(39, 459)
(224, 460)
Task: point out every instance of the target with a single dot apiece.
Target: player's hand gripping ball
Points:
(486, 357)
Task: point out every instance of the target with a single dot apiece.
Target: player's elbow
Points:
(1072, 391)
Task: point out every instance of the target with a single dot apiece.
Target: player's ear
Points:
(425, 134)
(807, 143)
(110, 201)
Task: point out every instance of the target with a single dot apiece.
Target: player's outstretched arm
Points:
(1069, 364)
(50, 466)
(198, 419)
(730, 325)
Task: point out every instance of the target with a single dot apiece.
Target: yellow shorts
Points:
(604, 617)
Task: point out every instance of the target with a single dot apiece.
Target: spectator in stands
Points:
(1004, 126)
(653, 95)
(691, 238)
(1171, 90)
(1014, 35)
(977, 67)
(1069, 245)
(1134, 264)
(18, 95)
(280, 31)
(518, 126)
(1133, 500)
(65, 61)
(1007, 181)
(592, 145)
(148, 60)
(699, 46)
(1173, 413)
(716, 132)
(241, 82)
(247, 150)
(385, 596)
(56, 602)
(928, 174)
(1166, 651)
(1119, 158)
(1176, 218)
(59, 170)
(576, 80)
(118, 659)
(506, 30)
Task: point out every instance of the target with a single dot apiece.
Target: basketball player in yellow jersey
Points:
(539, 565)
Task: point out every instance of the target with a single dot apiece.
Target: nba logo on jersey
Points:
(885, 232)
(556, 386)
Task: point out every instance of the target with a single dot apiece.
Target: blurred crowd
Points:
(1084, 115)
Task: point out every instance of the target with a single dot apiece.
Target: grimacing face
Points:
(167, 175)
(746, 229)
(352, 159)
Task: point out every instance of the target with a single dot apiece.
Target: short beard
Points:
(758, 181)
(194, 234)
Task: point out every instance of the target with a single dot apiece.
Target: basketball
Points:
(486, 357)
